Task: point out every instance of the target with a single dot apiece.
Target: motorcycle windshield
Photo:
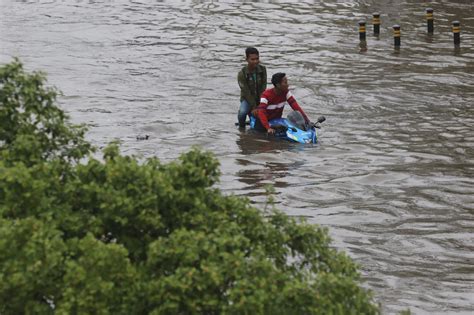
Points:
(297, 120)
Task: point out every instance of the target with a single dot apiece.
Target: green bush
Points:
(81, 235)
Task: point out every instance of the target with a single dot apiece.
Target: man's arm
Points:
(294, 104)
(264, 79)
(245, 90)
(262, 112)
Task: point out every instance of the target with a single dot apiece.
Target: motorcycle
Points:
(293, 128)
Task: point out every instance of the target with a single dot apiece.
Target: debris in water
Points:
(145, 137)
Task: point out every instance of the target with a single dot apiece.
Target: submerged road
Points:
(393, 175)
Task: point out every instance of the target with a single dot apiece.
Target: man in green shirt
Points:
(252, 81)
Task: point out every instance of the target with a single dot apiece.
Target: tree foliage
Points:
(81, 235)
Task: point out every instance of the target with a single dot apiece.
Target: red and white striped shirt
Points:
(272, 104)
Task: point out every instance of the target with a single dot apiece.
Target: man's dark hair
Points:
(277, 77)
(250, 51)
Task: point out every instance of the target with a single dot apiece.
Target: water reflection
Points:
(251, 142)
(266, 160)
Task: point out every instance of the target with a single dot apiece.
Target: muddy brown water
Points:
(393, 174)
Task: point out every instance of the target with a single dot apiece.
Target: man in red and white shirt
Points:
(272, 102)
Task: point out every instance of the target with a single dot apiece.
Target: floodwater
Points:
(393, 174)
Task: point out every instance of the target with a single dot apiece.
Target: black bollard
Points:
(457, 33)
(376, 23)
(362, 31)
(396, 36)
(430, 20)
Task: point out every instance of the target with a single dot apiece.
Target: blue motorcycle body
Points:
(285, 129)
